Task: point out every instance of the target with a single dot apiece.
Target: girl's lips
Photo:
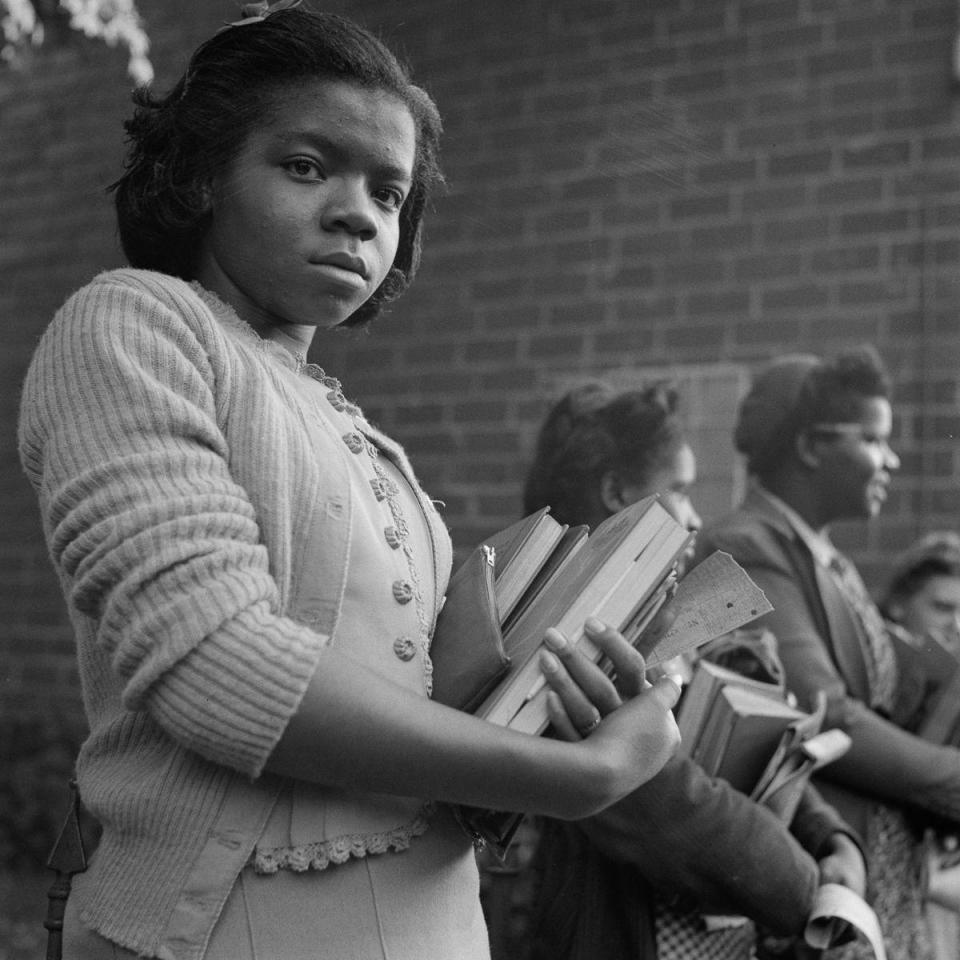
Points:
(342, 275)
(345, 261)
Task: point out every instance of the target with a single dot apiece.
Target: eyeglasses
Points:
(856, 430)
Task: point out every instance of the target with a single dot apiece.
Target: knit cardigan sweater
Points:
(197, 508)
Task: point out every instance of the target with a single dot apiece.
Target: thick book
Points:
(693, 713)
(572, 540)
(632, 602)
(742, 734)
(520, 551)
(585, 586)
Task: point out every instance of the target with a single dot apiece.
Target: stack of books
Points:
(538, 573)
(549, 575)
(743, 731)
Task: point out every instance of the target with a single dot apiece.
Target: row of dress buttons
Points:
(383, 488)
(403, 647)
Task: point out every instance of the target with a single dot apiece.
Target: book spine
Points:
(641, 579)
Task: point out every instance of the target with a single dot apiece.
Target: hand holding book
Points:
(580, 695)
(537, 577)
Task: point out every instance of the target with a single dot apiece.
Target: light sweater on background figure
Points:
(154, 427)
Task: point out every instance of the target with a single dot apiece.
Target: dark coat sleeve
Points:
(694, 836)
(685, 836)
(884, 761)
(816, 822)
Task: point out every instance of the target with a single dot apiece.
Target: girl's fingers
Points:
(629, 669)
(667, 691)
(559, 720)
(591, 682)
(581, 715)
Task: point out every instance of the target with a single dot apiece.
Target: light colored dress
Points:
(418, 903)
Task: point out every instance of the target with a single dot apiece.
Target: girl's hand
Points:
(628, 725)
(581, 693)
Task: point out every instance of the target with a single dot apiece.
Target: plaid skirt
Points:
(683, 934)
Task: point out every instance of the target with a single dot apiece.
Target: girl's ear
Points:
(806, 450)
(611, 492)
(206, 195)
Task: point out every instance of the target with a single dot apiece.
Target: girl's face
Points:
(305, 220)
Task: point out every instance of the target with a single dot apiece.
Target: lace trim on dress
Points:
(319, 855)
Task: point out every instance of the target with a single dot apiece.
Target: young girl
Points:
(251, 568)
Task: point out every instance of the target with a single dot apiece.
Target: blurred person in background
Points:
(922, 598)
(632, 882)
(816, 435)
(923, 592)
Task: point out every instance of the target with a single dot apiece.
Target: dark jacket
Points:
(682, 835)
(819, 644)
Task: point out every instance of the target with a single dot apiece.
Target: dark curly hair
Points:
(594, 429)
(796, 392)
(179, 142)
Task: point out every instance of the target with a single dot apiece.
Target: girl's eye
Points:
(304, 168)
(390, 197)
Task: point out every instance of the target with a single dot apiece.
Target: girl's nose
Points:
(349, 207)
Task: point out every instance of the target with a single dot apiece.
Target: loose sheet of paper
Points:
(715, 597)
(835, 905)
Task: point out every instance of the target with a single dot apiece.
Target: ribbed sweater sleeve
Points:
(157, 544)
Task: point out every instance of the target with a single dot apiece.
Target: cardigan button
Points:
(392, 536)
(402, 591)
(404, 648)
(354, 442)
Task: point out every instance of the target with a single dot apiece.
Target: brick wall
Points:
(691, 183)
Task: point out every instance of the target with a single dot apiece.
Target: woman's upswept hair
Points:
(178, 143)
(594, 429)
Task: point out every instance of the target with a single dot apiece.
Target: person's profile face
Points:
(855, 462)
(305, 221)
(934, 608)
(673, 480)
